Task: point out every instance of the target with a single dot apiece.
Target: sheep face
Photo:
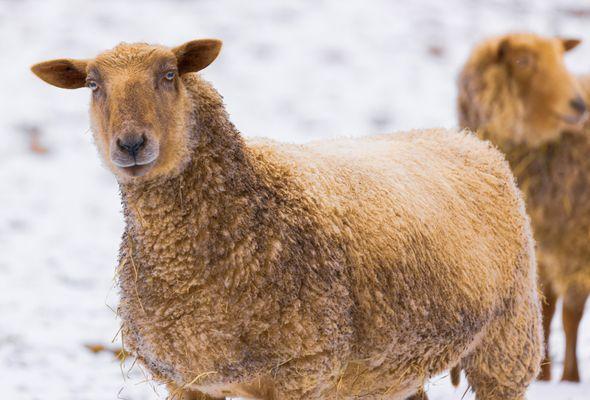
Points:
(141, 112)
(524, 89)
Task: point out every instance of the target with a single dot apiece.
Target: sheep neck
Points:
(189, 216)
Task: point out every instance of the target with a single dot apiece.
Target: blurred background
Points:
(290, 70)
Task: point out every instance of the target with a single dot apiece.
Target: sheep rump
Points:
(335, 270)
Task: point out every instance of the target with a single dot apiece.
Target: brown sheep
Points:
(343, 269)
(516, 92)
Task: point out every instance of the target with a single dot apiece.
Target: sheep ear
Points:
(64, 73)
(503, 49)
(569, 44)
(195, 55)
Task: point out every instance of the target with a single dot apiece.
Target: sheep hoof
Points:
(571, 376)
(545, 374)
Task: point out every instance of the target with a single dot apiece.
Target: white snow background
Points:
(290, 70)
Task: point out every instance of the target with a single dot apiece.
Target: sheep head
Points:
(140, 110)
(517, 87)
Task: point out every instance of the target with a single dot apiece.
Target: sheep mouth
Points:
(574, 120)
(137, 170)
(135, 165)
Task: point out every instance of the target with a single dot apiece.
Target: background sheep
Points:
(337, 269)
(515, 91)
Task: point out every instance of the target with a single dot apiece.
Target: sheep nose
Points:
(578, 105)
(132, 145)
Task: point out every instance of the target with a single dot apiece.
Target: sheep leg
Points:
(509, 355)
(419, 395)
(181, 394)
(550, 299)
(573, 310)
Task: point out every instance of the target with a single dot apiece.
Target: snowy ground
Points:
(291, 70)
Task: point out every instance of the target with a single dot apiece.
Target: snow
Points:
(290, 70)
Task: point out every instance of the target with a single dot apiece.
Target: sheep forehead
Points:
(133, 55)
(534, 43)
(485, 53)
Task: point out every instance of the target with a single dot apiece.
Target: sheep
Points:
(516, 92)
(340, 269)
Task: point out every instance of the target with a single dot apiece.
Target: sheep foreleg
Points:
(180, 394)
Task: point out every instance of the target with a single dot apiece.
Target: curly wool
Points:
(334, 270)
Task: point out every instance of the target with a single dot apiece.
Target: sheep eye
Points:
(92, 85)
(524, 61)
(170, 75)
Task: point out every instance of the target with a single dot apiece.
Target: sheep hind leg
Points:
(573, 310)
(509, 355)
(548, 303)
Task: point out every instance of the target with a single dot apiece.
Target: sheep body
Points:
(335, 270)
(554, 176)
